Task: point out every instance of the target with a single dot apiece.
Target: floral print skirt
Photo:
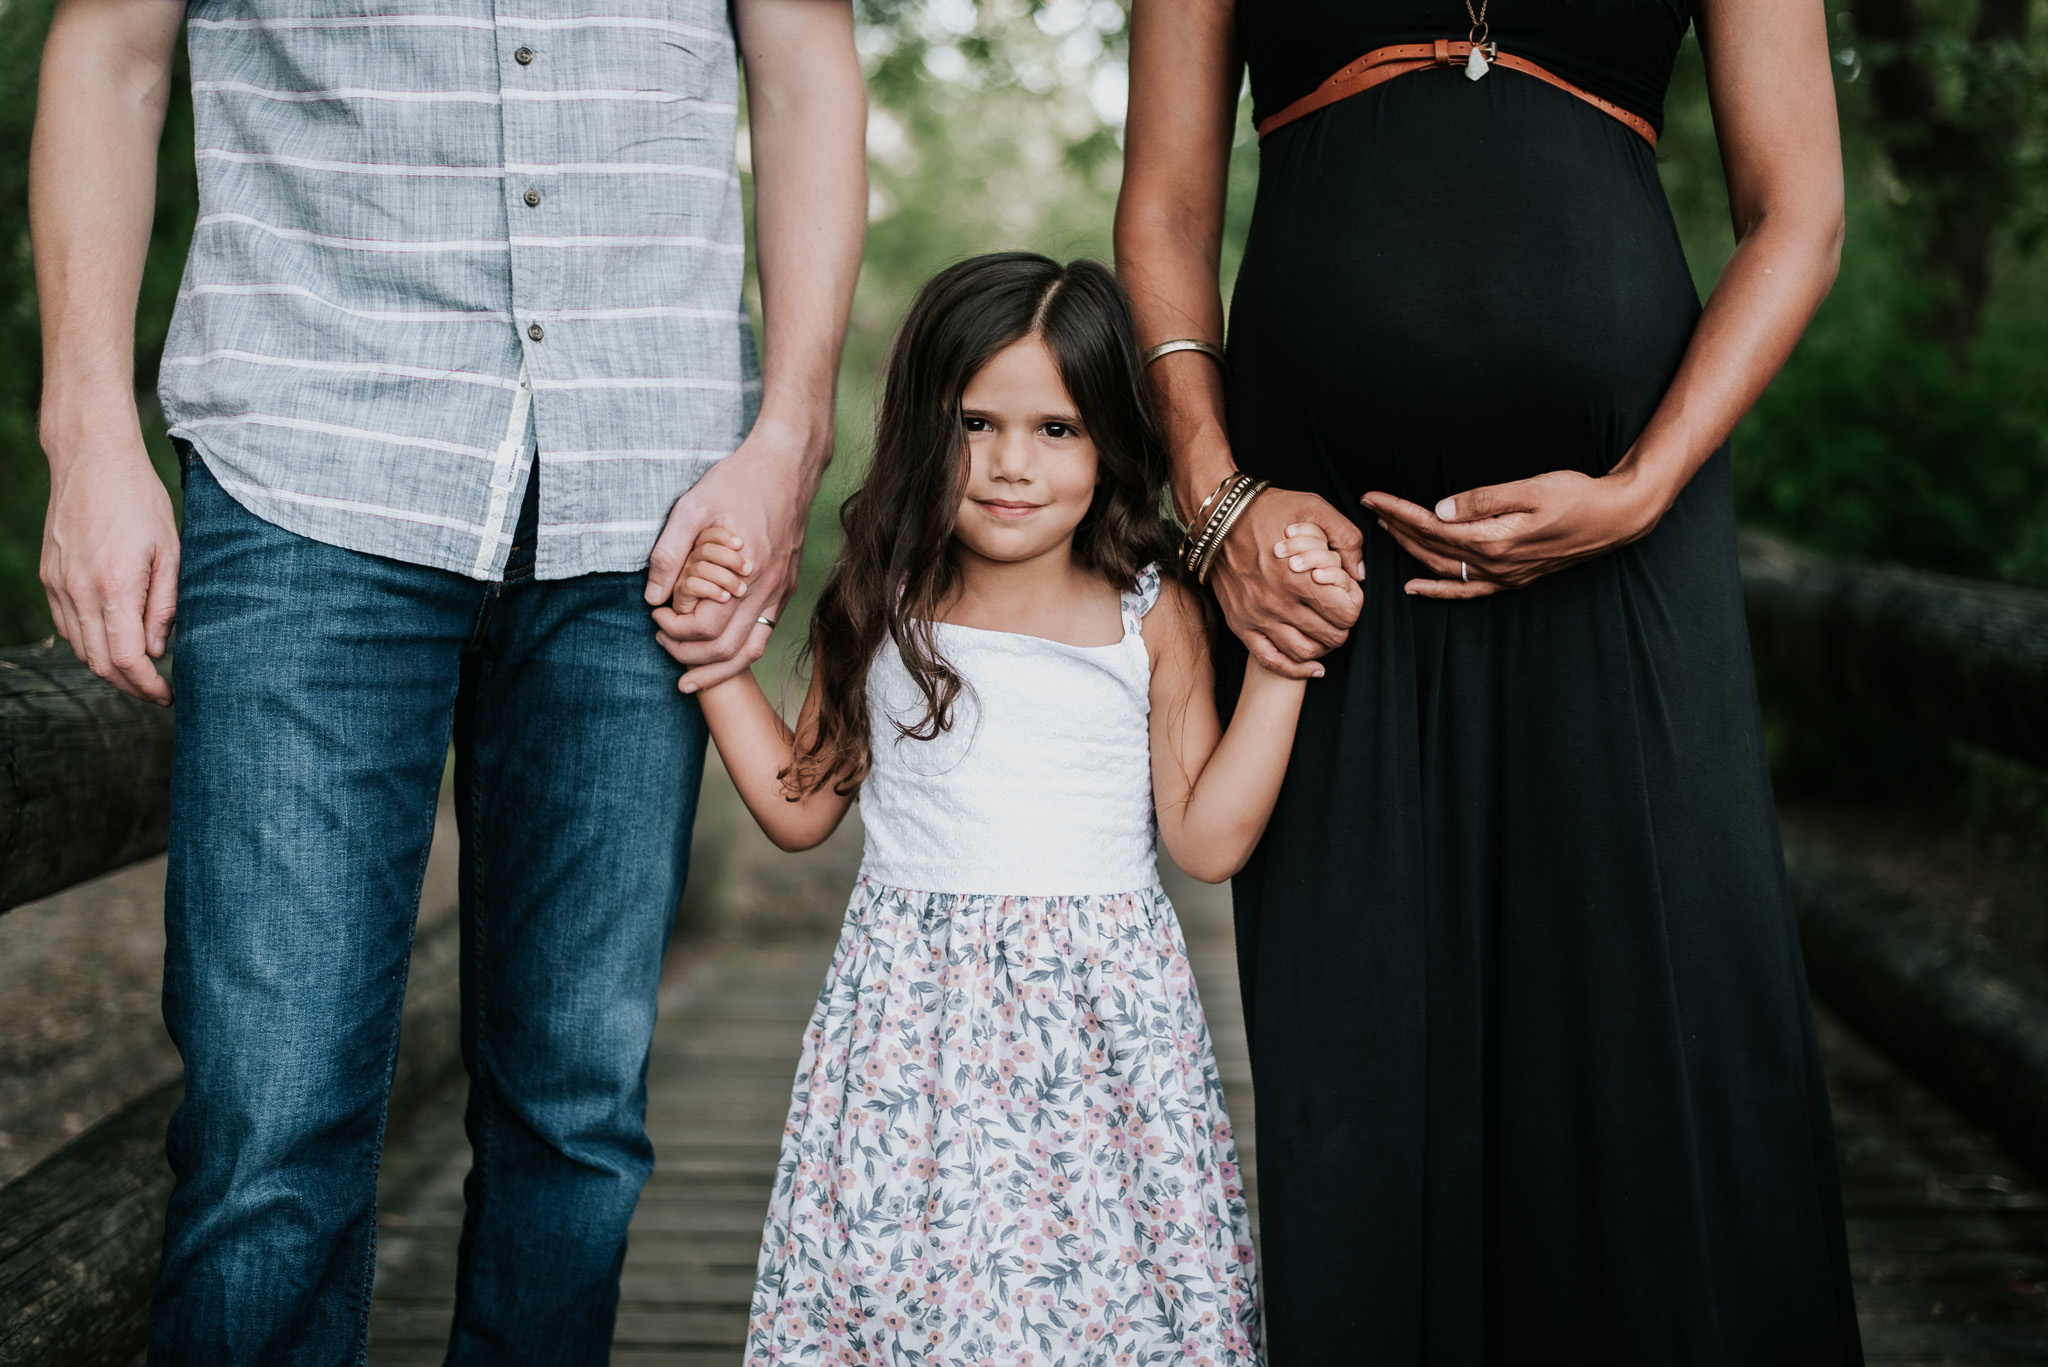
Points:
(1007, 1147)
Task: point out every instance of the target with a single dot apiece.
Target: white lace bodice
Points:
(1043, 786)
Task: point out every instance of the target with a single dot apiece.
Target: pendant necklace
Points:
(1479, 62)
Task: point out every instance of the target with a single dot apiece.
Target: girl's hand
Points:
(716, 570)
(1307, 551)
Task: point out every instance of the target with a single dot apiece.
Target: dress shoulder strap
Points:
(1138, 599)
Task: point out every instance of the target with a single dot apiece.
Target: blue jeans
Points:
(317, 693)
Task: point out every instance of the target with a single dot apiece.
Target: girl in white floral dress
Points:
(1007, 1143)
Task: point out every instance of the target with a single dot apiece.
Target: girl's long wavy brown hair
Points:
(895, 570)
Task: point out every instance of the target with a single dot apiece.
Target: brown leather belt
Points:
(1385, 63)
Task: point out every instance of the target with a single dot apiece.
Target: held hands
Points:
(716, 574)
(1289, 619)
(760, 495)
(1507, 535)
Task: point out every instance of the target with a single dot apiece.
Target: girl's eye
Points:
(1057, 430)
(977, 424)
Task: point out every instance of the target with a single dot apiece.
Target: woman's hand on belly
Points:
(1504, 536)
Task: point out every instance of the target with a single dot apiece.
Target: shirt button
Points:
(524, 56)
(533, 199)
(536, 332)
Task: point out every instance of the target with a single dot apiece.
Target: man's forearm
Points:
(92, 176)
(807, 108)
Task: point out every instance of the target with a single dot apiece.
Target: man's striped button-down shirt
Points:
(440, 236)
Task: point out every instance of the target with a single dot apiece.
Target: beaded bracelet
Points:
(1226, 519)
(1203, 533)
(1201, 519)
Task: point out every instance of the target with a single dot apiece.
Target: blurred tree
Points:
(1957, 103)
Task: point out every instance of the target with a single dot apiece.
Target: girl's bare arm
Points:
(758, 747)
(1214, 789)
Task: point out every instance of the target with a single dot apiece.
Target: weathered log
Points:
(1965, 1017)
(1962, 658)
(85, 775)
(80, 1236)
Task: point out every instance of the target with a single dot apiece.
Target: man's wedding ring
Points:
(1464, 573)
(766, 623)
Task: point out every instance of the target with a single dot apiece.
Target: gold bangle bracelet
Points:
(1237, 510)
(1209, 349)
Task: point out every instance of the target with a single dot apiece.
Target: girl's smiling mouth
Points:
(998, 507)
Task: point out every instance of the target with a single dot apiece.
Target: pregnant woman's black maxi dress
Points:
(1535, 1069)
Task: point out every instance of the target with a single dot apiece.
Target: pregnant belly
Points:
(1452, 283)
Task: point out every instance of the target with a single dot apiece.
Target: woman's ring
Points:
(1464, 573)
(766, 623)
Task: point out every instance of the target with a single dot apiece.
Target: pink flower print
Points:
(1021, 1298)
(1095, 1333)
(1032, 1245)
(1060, 1184)
(1129, 1255)
(1101, 1296)
(947, 1099)
(1039, 1200)
(894, 1321)
(1154, 1146)
(1174, 1212)
(1025, 1051)
(926, 1168)
(978, 1301)
(1120, 1326)
(897, 1058)
(873, 1067)
(1004, 1324)
(935, 1293)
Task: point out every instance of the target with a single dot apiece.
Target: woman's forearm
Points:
(1169, 218)
(1774, 111)
(1781, 269)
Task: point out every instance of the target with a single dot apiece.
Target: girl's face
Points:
(1031, 467)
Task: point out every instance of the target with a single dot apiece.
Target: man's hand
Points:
(110, 566)
(1288, 620)
(761, 493)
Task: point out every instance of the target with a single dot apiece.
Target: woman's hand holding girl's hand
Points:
(716, 570)
(1307, 551)
(1508, 535)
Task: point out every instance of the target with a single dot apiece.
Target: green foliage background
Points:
(997, 124)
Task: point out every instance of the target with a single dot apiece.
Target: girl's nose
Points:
(1011, 457)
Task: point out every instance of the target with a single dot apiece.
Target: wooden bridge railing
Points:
(1961, 659)
(84, 789)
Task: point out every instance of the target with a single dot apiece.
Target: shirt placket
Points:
(527, 139)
